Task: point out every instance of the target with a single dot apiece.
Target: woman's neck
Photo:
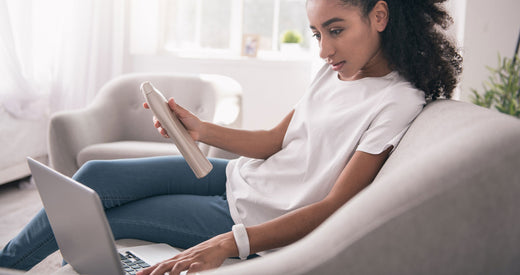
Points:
(377, 66)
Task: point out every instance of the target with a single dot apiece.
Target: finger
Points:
(145, 105)
(148, 270)
(172, 103)
(163, 132)
(162, 268)
(156, 122)
(179, 267)
(177, 109)
(195, 267)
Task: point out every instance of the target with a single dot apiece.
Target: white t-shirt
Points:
(331, 121)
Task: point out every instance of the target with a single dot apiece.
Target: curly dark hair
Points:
(416, 45)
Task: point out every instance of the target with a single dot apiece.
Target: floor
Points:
(19, 202)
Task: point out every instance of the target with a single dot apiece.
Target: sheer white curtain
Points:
(18, 90)
(56, 54)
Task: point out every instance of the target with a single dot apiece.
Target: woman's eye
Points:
(317, 36)
(336, 31)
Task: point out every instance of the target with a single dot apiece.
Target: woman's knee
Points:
(90, 170)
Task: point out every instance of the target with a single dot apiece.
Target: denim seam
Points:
(120, 221)
(119, 198)
(45, 242)
(113, 200)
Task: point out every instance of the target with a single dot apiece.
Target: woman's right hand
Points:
(191, 122)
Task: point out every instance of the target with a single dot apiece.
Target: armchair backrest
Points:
(122, 99)
(117, 112)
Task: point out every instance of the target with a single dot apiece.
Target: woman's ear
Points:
(380, 15)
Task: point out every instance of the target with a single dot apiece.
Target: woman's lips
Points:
(338, 66)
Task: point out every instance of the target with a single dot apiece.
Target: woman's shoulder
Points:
(401, 90)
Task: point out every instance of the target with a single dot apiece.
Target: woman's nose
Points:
(326, 49)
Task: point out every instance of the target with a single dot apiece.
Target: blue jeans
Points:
(155, 199)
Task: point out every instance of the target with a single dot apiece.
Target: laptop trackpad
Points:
(153, 253)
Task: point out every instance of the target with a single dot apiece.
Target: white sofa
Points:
(445, 202)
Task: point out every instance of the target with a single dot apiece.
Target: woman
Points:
(385, 59)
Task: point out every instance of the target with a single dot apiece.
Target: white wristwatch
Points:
(242, 240)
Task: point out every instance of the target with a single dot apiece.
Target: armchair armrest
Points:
(71, 131)
(229, 100)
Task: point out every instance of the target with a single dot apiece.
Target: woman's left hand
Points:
(207, 255)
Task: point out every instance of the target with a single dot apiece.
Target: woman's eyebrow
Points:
(328, 22)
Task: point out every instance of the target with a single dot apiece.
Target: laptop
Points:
(82, 231)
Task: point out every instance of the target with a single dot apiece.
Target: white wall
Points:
(491, 27)
(270, 87)
(482, 27)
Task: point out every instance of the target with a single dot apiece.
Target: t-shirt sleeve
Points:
(391, 121)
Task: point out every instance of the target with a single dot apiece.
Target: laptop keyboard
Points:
(132, 263)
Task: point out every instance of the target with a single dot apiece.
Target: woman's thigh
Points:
(179, 220)
(121, 181)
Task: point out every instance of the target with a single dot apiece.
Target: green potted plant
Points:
(290, 42)
(502, 90)
(291, 37)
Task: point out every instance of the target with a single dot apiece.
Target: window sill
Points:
(262, 56)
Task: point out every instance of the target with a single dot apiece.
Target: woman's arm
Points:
(284, 230)
(255, 144)
(259, 144)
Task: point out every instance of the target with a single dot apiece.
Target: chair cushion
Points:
(125, 149)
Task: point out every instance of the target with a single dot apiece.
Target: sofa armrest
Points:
(71, 131)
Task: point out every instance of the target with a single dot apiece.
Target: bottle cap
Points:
(147, 87)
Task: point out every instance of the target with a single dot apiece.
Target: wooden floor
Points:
(19, 202)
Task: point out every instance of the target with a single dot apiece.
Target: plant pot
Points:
(290, 49)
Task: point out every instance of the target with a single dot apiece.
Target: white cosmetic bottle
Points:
(198, 163)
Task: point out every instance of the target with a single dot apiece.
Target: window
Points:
(217, 25)
(197, 24)
(271, 18)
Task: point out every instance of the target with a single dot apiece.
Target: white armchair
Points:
(116, 125)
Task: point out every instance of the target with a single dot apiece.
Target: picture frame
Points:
(250, 44)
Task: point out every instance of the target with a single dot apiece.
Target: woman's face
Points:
(348, 41)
